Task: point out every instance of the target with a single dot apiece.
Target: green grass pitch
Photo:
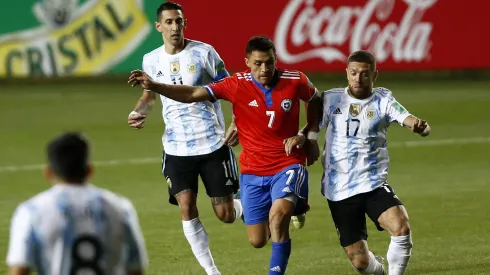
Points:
(443, 180)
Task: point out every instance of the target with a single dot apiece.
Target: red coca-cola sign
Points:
(318, 35)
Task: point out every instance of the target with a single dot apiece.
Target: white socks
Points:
(238, 209)
(198, 239)
(399, 253)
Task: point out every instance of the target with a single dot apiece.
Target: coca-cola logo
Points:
(324, 31)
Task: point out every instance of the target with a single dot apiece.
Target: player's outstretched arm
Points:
(417, 125)
(137, 117)
(181, 93)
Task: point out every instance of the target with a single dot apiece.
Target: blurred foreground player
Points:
(194, 140)
(75, 227)
(355, 159)
(266, 104)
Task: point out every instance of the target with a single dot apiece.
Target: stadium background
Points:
(74, 78)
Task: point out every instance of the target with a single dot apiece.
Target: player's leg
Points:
(256, 202)
(219, 173)
(388, 213)
(350, 222)
(289, 193)
(182, 179)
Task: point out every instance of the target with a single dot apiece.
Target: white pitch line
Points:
(419, 143)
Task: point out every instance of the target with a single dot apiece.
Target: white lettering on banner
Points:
(328, 29)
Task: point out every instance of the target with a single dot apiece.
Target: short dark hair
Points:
(68, 157)
(168, 6)
(364, 57)
(261, 44)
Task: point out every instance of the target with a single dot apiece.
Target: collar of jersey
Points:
(267, 92)
(357, 99)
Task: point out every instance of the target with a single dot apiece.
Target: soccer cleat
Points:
(381, 260)
(299, 221)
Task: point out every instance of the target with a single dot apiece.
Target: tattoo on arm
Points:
(143, 106)
(221, 200)
(145, 102)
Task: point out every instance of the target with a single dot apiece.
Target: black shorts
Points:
(349, 214)
(218, 171)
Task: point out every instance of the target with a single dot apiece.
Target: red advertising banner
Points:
(319, 35)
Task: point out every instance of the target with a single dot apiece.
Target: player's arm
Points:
(215, 67)
(396, 112)
(181, 93)
(146, 102)
(417, 125)
(313, 101)
(20, 257)
(231, 137)
(313, 113)
(137, 255)
(136, 118)
(224, 89)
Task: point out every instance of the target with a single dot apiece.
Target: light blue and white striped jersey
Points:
(73, 227)
(190, 128)
(355, 157)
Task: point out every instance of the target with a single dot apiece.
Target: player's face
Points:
(172, 25)
(361, 78)
(262, 65)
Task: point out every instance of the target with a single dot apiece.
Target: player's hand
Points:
(231, 137)
(293, 142)
(141, 78)
(136, 120)
(420, 126)
(312, 151)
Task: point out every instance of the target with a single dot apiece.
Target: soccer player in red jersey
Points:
(266, 105)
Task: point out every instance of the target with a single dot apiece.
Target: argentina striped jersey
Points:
(190, 128)
(355, 156)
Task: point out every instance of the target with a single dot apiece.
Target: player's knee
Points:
(225, 214)
(401, 228)
(257, 241)
(277, 219)
(280, 214)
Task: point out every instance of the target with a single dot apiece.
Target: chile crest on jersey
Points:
(286, 105)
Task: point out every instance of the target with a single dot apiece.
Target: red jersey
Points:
(265, 118)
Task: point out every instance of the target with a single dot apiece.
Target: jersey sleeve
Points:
(22, 239)
(215, 66)
(136, 256)
(396, 112)
(308, 90)
(145, 66)
(223, 89)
